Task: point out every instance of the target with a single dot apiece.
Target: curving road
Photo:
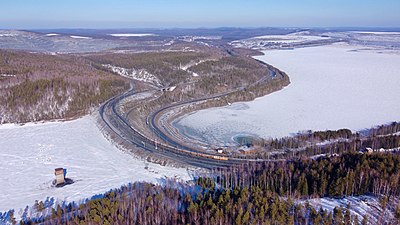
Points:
(154, 126)
(119, 126)
(171, 150)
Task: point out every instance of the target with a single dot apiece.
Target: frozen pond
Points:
(332, 87)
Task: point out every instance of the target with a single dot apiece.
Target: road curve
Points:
(120, 127)
(155, 127)
(117, 124)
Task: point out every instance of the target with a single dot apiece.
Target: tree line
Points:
(255, 193)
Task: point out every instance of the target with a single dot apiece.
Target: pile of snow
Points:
(132, 35)
(79, 37)
(51, 35)
(332, 87)
(30, 153)
(140, 74)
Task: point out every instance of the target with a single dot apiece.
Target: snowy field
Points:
(30, 153)
(332, 87)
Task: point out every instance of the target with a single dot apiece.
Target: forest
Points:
(330, 142)
(45, 87)
(39, 86)
(254, 193)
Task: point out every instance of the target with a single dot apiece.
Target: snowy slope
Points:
(332, 87)
(30, 153)
(141, 74)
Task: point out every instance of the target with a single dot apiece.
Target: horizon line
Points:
(207, 27)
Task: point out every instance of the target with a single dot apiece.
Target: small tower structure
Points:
(60, 176)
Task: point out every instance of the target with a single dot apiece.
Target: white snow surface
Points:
(30, 153)
(79, 37)
(131, 35)
(51, 34)
(140, 74)
(187, 66)
(332, 87)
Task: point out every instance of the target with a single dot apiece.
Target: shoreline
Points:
(203, 126)
(185, 109)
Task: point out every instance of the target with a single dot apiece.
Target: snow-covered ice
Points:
(332, 87)
(30, 153)
(290, 38)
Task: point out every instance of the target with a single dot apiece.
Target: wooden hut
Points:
(60, 176)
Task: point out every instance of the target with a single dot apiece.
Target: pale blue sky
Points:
(32, 14)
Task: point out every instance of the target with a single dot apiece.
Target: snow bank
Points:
(332, 87)
(30, 153)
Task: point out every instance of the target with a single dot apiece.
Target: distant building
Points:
(60, 176)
